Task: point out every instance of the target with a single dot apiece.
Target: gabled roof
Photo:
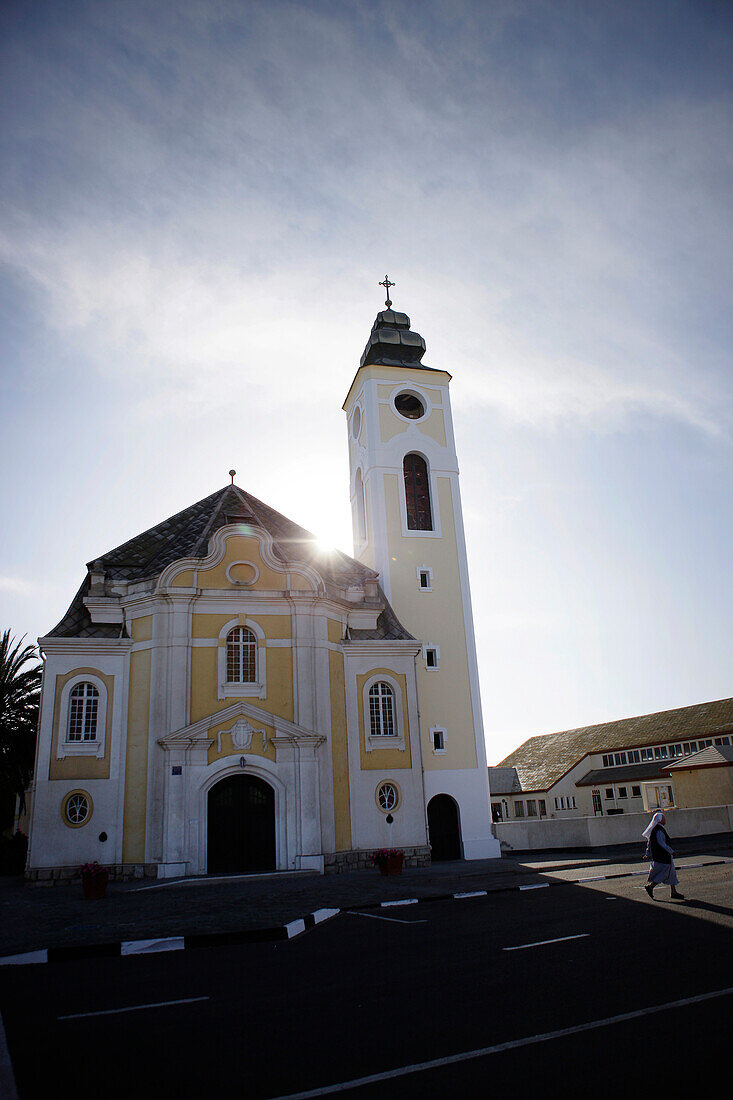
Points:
(504, 781)
(187, 534)
(714, 756)
(541, 761)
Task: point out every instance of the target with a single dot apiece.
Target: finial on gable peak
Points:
(232, 474)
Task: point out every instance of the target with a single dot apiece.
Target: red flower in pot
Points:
(94, 879)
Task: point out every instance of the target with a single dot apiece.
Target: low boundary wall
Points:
(597, 832)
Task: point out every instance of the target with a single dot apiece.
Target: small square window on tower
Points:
(431, 653)
(437, 736)
(425, 578)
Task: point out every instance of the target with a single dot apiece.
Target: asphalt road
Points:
(573, 990)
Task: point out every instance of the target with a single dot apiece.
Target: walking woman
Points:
(659, 850)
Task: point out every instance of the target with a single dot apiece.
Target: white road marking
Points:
(393, 920)
(535, 886)
(403, 901)
(513, 1044)
(541, 943)
(295, 927)
(472, 894)
(142, 947)
(131, 1008)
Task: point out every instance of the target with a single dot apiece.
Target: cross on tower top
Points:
(387, 284)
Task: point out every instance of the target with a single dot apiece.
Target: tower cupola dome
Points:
(392, 342)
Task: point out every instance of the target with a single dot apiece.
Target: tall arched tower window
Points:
(417, 493)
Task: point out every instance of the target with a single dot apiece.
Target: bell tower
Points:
(408, 526)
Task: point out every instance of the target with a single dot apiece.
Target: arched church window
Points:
(83, 713)
(241, 656)
(417, 493)
(381, 710)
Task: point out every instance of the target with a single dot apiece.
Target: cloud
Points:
(227, 185)
(16, 586)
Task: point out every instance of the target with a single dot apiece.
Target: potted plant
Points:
(389, 860)
(94, 879)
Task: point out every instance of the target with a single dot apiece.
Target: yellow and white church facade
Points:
(223, 696)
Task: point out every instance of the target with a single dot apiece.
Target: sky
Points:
(197, 202)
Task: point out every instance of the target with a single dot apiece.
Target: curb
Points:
(171, 943)
(286, 931)
(528, 886)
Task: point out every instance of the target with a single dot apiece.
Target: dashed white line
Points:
(393, 920)
(541, 943)
(144, 947)
(131, 1008)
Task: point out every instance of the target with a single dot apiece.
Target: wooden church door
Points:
(444, 831)
(241, 827)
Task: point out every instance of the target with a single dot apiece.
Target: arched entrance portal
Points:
(444, 829)
(241, 830)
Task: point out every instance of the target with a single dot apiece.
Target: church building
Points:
(224, 696)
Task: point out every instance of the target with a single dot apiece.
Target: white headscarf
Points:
(656, 820)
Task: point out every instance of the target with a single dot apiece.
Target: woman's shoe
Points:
(650, 890)
(677, 894)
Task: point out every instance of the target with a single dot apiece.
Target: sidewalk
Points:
(33, 918)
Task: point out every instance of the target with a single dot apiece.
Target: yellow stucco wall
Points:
(241, 548)
(339, 753)
(434, 396)
(418, 375)
(205, 677)
(142, 628)
(703, 786)
(390, 424)
(210, 626)
(445, 698)
(136, 764)
(183, 579)
(80, 767)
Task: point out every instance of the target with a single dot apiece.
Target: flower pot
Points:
(392, 865)
(95, 886)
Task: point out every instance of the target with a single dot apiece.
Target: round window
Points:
(76, 808)
(409, 406)
(356, 422)
(388, 796)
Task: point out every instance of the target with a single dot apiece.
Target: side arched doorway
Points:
(241, 825)
(444, 828)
